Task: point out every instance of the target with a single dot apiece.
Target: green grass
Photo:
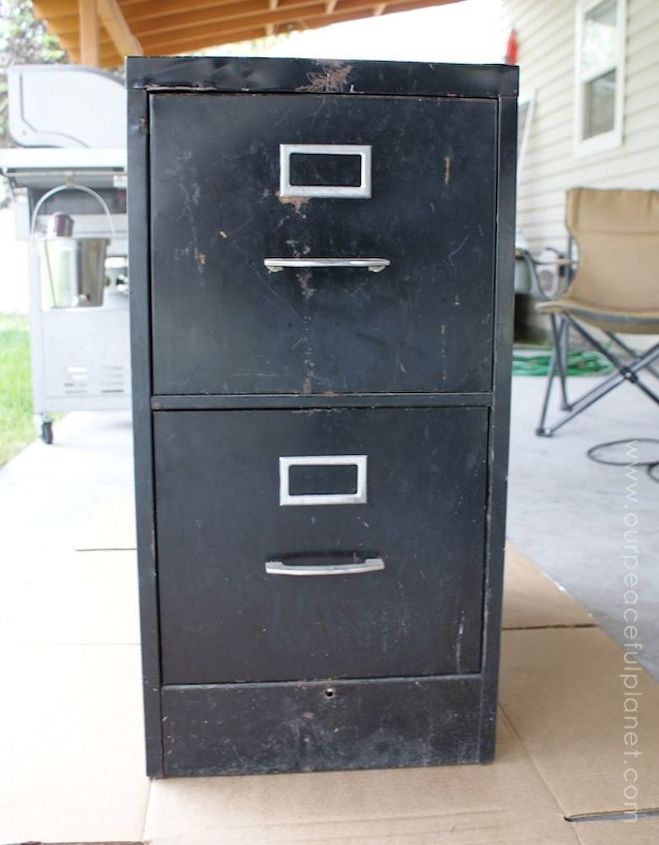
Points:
(16, 426)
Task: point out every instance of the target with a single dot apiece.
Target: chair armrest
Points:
(534, 262)
(549, 262)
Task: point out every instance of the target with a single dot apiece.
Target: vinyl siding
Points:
(545, 33)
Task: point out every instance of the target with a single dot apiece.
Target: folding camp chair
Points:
(615, 289)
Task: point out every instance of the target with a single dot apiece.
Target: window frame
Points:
(614, 137)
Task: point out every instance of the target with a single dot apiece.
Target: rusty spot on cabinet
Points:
(296, 202)
(331, 79)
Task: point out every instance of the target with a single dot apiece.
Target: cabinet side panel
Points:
(138, 216)
(499, 419)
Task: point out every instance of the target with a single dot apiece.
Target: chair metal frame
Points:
(626, 368)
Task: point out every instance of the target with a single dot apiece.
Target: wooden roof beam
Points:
(313, 17)
(243, 20)
(225, 36)
(71, 44)
(69, 23)
(86, 41)
(360, 12)
(191, 18)
(56, 11)
(404, 6)
(118, 30)
(246, 11)
(270, 27)
(151, 40)
(243, 15)
(88, 37)
(181, 46)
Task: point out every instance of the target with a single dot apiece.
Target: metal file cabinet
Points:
(321, 264)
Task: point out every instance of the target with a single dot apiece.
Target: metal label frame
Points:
(361, 191)
(359, 497)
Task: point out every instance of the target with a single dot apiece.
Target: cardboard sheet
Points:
(112, 526)
(565, 694)
(71, 738)
(532, 600)
(640, 832)
(82, 597)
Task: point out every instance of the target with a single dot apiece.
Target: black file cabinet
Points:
(321, 264)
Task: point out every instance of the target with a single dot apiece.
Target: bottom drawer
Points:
(395, 498)
(292, 727)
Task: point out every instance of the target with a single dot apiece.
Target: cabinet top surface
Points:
(230, 74)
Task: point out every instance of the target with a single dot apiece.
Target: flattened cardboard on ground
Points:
(71, 743)
(564, 695)
(503, 804)
(641, 832)
(80, 597)
(112, 526)
(532, 600)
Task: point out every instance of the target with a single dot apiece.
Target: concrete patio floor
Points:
(577, 520)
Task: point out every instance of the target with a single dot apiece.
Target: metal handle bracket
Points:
(358, 497)
(361, 191)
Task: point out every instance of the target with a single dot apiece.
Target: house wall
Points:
(546, 37)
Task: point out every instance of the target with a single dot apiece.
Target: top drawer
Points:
(223, 323)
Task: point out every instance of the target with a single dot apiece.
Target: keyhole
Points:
(329, 692)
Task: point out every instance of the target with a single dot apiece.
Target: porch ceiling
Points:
(103, 31)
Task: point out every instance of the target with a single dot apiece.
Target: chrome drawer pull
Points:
(375, 265)
(371, 564)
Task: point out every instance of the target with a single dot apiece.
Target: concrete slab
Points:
(48, 493)
(577, 520)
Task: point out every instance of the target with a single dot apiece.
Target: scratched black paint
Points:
(224, 619)
(223, 324)
(233, 367)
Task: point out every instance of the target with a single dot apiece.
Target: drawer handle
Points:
(375, 265)
(371, 564)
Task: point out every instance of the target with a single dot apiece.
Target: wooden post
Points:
(116, 27)
(89, 41)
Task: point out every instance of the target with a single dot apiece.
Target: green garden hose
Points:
(580, 363)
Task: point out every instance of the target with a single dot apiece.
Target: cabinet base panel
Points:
(322, 726)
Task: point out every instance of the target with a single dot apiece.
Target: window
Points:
(600, 59)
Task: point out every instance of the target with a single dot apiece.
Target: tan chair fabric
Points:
(617, 282)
